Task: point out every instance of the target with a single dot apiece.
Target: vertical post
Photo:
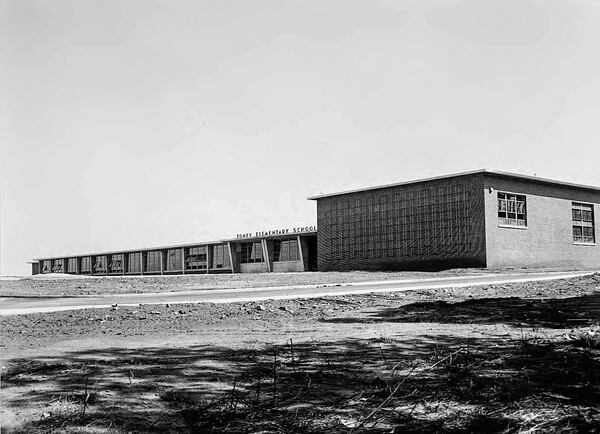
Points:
(230, 257)
(183, 260)
(77, 265)
(209, 258)
(162, 261)
(266, 256)
(301, 252)
(141, 263)
(106, 265)
(124, 256)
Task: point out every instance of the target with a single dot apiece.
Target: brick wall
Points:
(548, 239)
(433, 224)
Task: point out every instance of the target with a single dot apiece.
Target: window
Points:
(153, 261)
(512, 210)
(174, 258)
(72, 265)
(583, 223)
(220, 257)
(252, 252)
(100, 264)
(133, 263)
(86, 265)
(46, 266)
(58, 266)
(116, 263)
(196, 258)
(285, 250)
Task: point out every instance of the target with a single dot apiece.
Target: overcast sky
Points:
(136, 123)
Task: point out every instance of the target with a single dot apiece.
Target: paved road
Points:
(20, 305)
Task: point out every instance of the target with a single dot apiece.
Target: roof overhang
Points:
(498, 173)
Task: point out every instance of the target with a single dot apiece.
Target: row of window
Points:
(283, 250)
(512, 211)
(196, 259)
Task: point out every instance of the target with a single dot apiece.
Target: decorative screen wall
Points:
(426, 225)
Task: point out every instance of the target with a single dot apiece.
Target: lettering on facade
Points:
(273, 232)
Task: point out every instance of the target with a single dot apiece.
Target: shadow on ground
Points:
(558, 313)
(434, 383)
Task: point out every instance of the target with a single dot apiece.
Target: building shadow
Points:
(557, 313)
(433, 383)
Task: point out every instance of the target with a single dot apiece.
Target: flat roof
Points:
(456, 175)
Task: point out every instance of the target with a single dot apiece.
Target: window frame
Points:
(86, 265)
(581, 223)
(515, 213)
(250, 252)
(220, 257)
(283, 252)
(196, 258)
(116, 263)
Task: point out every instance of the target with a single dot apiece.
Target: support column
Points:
(77, 265)
(266, 255)
(231, 264)
(209, 258)
(124, 263)
(141, 263)
(106, 265)
(163, 259)
(301, 252)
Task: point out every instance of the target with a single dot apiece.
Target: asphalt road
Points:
(21, 305)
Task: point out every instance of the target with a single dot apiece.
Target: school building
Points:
(482, 218)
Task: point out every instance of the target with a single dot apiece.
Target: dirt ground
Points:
(53, 284)
(503, 358)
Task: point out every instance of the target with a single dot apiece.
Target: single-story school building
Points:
(481, 218)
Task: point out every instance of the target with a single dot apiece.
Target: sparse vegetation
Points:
(507, 362)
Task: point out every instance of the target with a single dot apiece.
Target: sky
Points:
(137, 123)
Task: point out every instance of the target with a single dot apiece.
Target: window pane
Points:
(512, 210)
(294, 254)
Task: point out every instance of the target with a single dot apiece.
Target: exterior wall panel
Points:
(433, 224)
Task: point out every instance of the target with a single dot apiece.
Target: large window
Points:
(86, 265)
(133, 263)
(252, 252)
(220, 257)
(512, 210)
(116, 263)
(46, 266)
(583, 223)
(100, 264)
(285, 250)
(72, 265)
(153, 261)
(174, 258)
(196, 258)
(58, 266)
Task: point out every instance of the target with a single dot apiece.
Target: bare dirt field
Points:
(505, 358)
(44, 285)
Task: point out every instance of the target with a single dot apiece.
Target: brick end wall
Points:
(548, 239)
